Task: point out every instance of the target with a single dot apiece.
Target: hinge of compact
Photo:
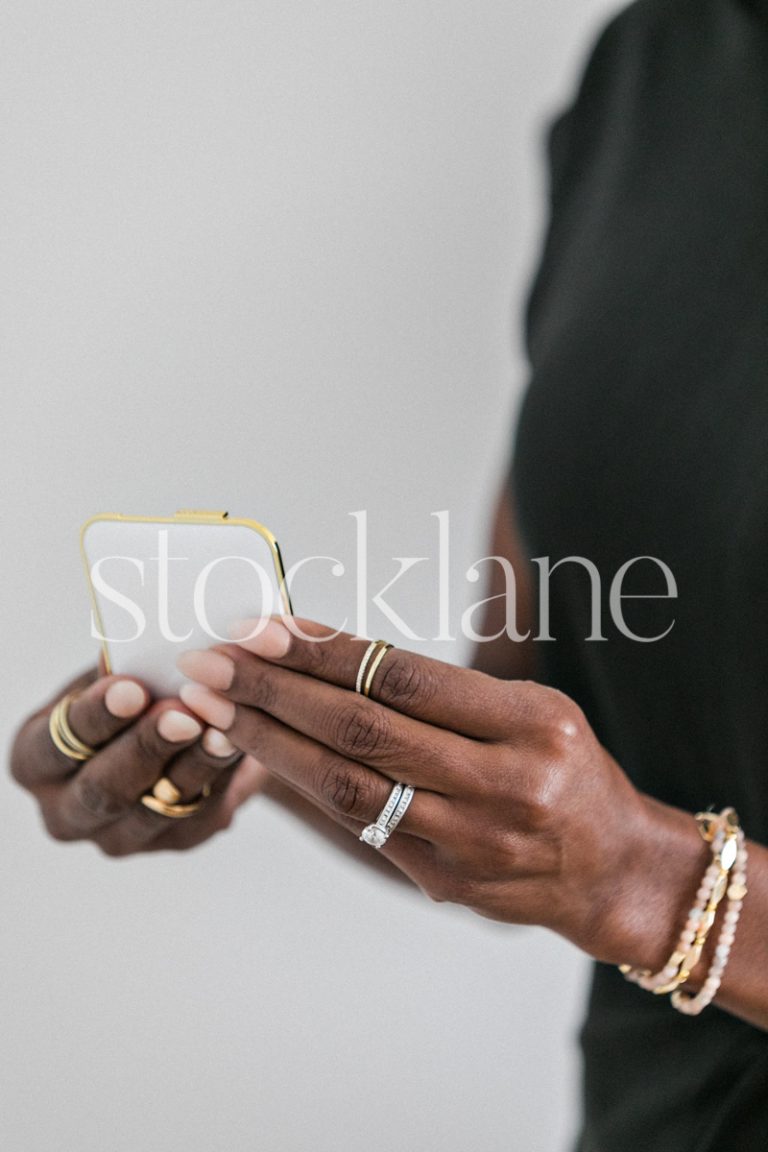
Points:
(200, 514)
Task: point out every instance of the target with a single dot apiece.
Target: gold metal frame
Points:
(183, 516)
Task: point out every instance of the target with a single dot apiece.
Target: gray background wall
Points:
(267, 257)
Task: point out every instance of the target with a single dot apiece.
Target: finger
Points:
(247, 778)
(102, 710)
(99, 714)
(201, 773)
(412, 855)
(433, 691)
(199, 767)
(107, 786)
(142, 829)
(352, 725)
(344, 787)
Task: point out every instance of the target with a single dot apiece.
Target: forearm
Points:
(501, 656)
(658, 888)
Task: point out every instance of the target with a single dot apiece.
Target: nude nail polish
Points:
(264, 637)
(205, 666)
(176, 726)
(212, 708)
(125, 698)
(216, 743)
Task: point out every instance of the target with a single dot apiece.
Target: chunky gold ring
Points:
(164, 799)
(61, 732)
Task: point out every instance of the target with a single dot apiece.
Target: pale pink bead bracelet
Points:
(691, 1005)
(725, 873)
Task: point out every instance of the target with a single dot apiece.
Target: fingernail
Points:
(264, 636)
(213, 669)
(176, 726)
(214, 709)
(216, 743)
(125, 698)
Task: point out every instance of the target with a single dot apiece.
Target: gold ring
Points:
(372, 657)
(164, 799)
(166, 791)
(61, 732)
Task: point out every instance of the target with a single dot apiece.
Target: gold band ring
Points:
(372, 657)
(61, 732)
(165, 796)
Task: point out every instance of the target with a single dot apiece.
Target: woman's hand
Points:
(519, 813)
(136, 743)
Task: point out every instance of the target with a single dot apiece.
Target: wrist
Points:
(656, 880)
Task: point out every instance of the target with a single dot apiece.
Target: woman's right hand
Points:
(136, 743)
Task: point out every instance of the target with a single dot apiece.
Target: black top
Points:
(645, 433)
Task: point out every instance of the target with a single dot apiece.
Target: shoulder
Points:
(643, 61)
(641, 41)
(640, 88)
(647, 25)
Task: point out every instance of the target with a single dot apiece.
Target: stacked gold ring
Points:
(165, 796)
(61, 732)
(372, 658)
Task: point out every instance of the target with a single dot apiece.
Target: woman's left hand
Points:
(519, 812)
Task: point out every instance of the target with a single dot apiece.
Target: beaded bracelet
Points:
(689, 1004)
(727, 842)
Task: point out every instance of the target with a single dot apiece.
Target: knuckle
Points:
(55, 825)
(95, 798)
(360, 732)
(444, 887)
(344, 790)
(541, 803)
(558, 721)
(146, 742)
(314, 655)
(566, 727)
(404, 681)
(23, 759)
(60, 834)
(261, 688)
(19, 768)
(112, 848)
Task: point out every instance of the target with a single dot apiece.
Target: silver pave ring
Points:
(378, 833)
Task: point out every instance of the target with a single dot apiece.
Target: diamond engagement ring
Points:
(378, 833)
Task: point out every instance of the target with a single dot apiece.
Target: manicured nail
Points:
(213, 669)
(264, 636)
(210, 707)
(176, 726)
(125, 698)
(215, 743)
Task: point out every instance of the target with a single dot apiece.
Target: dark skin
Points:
(98, 801)
(519, 812)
